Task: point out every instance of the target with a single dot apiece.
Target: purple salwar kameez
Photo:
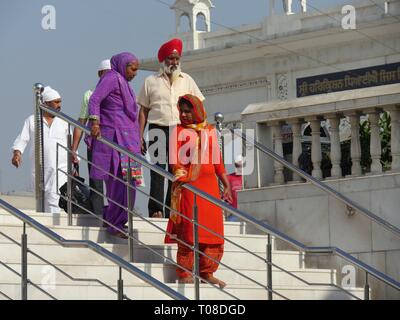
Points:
(113, 103)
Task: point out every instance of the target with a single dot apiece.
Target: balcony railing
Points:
(356, 106)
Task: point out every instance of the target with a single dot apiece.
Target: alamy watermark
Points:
(49, 278)
(349, 278)
(349, 20)
(49, 19)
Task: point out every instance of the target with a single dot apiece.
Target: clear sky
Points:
(87, 31)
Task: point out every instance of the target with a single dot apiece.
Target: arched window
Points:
(201, 24)
(184, 23)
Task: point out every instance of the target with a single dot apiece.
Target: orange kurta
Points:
(209, 214)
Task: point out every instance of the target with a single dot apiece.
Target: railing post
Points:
(39, 170)
(316, 154)
(120, 285)
(278, 148)
(366, 287)
(355, 144)
(219, 118)
(336, 153)
(394, 141)
(57, 172)
(375, 141)
(269, 267)
(297, 148)
(130, 208)
(24, 264)
(69, 178)
(196, 268)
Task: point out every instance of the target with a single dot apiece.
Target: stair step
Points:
(165, 273)
(88, 220)
(85, 264)
(56, 254)
(100, 235)
(207, 292)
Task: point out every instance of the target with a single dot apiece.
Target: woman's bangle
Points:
(93, 117)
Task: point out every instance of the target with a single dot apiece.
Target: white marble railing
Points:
(354, 117)
(270, 121)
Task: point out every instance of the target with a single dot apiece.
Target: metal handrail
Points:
(262, 226)
(5, 296)
(221, 263)
(133, 212)
(198, 224)
(324, 187)
(124, 151)
(181, 241)
(60, 270)
(29, 281)
(191, 247)
(94, 247)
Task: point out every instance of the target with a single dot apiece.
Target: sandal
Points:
(121, 235)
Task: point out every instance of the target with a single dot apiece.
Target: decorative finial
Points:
(38, 87)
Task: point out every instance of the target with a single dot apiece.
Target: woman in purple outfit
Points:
(114, 115)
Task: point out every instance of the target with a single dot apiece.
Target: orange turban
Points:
(174, 45)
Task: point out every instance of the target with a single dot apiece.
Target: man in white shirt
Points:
(158, 99)
(55, 131)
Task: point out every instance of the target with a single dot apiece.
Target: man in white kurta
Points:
(55, 131)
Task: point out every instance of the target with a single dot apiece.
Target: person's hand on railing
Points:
(95, 131)
(16, 159)
(228, 194)
(75, 159)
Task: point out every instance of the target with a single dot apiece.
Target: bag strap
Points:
(76, 167)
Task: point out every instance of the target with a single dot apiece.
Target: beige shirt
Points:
(158, 95)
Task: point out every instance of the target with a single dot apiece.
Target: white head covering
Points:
(104, 65)
(49, 94)
(239, 160)
(239, 163)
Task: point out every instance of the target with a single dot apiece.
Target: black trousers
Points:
(157, 182)
(96, 199)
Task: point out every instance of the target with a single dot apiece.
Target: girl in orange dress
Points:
(195, 159)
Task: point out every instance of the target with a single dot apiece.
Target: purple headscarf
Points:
(118, 67)
(119, 62)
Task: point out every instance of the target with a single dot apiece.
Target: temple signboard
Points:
(348, 80)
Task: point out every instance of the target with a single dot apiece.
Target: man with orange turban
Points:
(158, 99)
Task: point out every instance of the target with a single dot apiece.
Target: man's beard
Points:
(172, 71)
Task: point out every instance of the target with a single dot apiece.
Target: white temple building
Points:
(315, 68)
(317, 88)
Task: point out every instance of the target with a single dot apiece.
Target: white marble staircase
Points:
(85, 264)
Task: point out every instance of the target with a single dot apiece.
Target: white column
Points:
(177, 22)
(303, 4)
(375, 142)
(278, 148)
(271, 7)
(355, 146)
(395, 137)
(296, 131)
(336, 154)
(287, 6)
(316, 155)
